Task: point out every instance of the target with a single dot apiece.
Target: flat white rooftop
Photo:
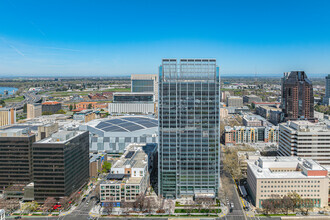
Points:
(284, 167)
(61, 137)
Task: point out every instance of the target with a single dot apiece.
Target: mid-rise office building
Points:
(7, 116)
(269, 176)
(234, 101)
(251, 98)
(15, 157)
(145, 83)
(305, 139)
(51, 107)
(326, 99)
(33, 110)
(129, 176)
(189, 124)
(297, 96)
(60, 164)
(144, 97)
(118, 108)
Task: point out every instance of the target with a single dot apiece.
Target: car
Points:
(232, 205)
(87, 202)
(18, 217)
(321, 212)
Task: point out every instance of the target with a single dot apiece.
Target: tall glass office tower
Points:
(189, 127)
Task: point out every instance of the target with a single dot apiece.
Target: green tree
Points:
(47, 113)
(89, 106)
(25, 108)
(30, 207)
(106, 167)
(71, 107)
(2, 103)
(61, 111)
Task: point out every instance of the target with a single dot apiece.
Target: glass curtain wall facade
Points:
(140, 85)
(189, 126)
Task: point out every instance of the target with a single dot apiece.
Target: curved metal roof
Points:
(127, 124)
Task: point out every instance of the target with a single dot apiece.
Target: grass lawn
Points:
(198, 211)
(16, 99)
(84, 93)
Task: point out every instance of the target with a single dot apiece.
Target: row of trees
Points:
(9, 205)
(287, 203)
(143, 204)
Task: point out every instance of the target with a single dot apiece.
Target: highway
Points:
(29, 98)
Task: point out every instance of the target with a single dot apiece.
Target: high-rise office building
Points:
(326, 99)
(189, 145)
(15, 157)
(60, 164)
(297, 96)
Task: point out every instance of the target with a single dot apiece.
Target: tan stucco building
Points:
(279, 176)
(7, 116)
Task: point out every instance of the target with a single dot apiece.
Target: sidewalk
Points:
(69, 211)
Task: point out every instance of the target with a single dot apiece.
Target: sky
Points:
(118, 38)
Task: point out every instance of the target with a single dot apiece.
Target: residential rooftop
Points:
(134, 157)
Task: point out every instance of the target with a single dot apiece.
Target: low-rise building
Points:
(234, 101)
(223, 113)
(51, 107)
(96, 162)
(129, 176)
(2, 214)
(85, 115)
(271, 104)
(269, 176)
(23, 192)
(244, 157)
(91, 105)
(251, 98)
(251, 121)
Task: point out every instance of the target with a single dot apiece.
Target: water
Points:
(9, 89)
